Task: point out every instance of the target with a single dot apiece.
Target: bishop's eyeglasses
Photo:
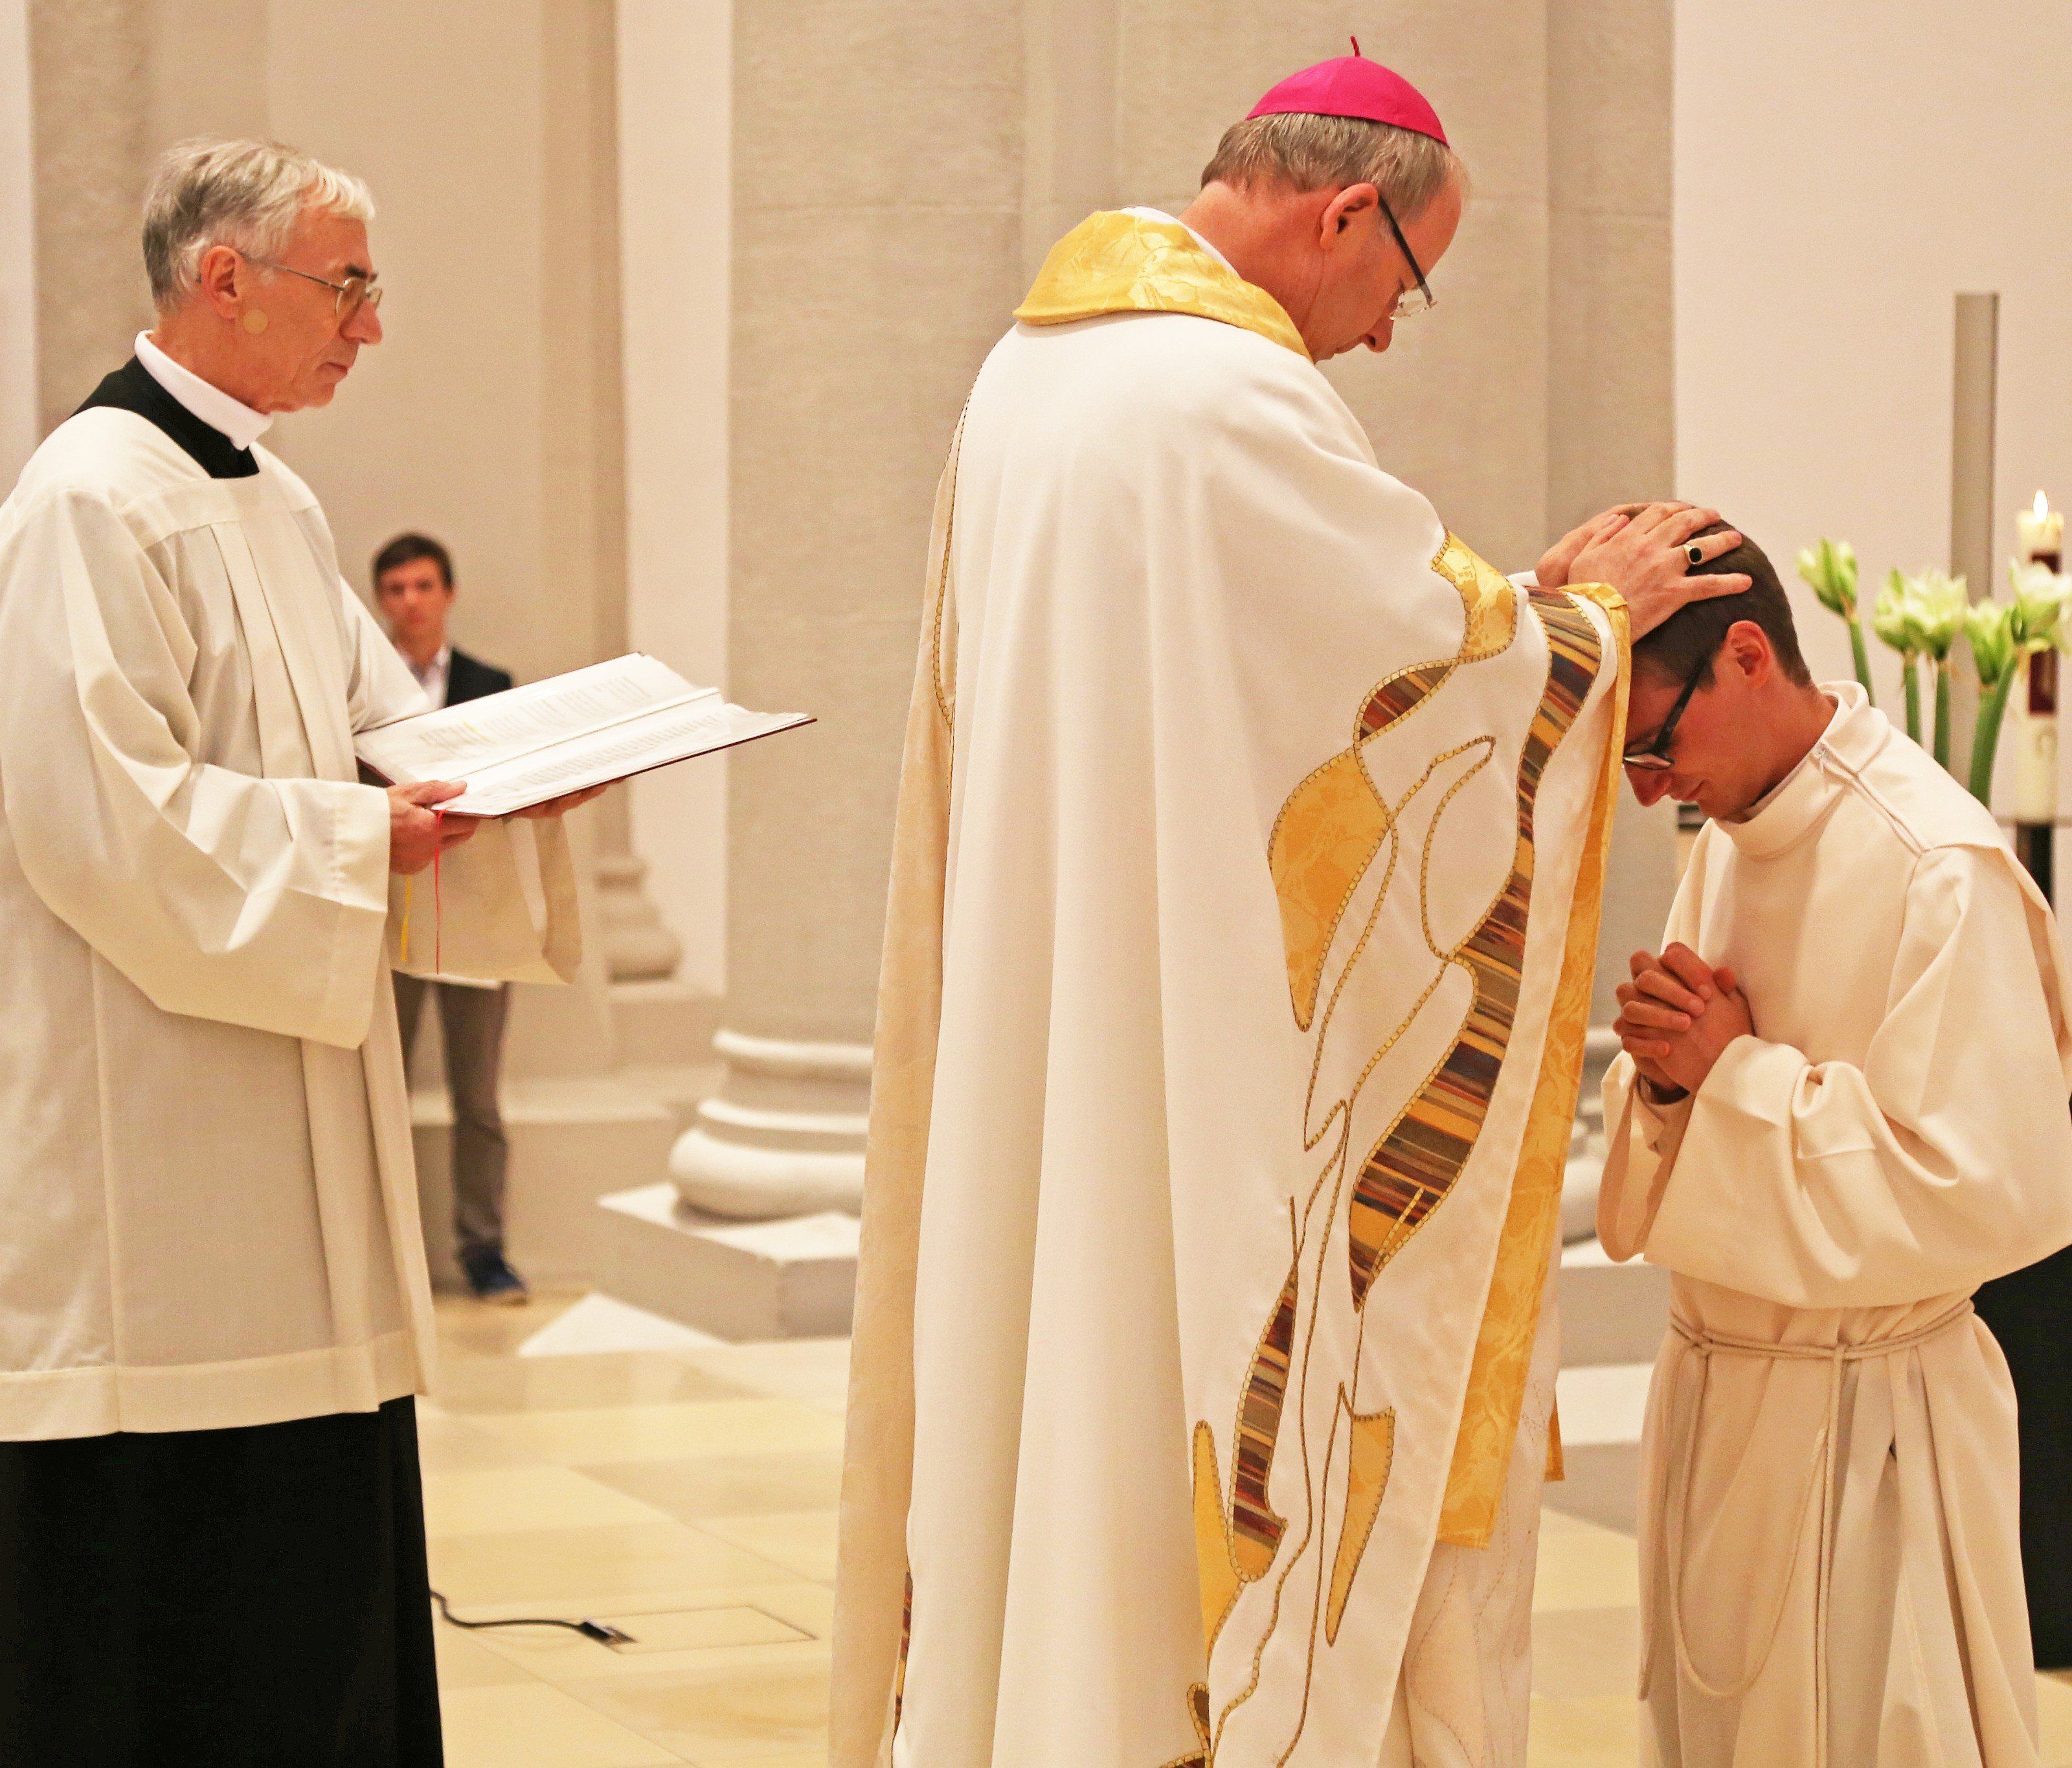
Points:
(1420, 299)
(353, 293)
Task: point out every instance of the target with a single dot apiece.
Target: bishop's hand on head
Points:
(1552, 571)
(1649, 558)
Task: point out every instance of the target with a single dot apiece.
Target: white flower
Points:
(1830, 568)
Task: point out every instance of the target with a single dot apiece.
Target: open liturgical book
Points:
(586, 728)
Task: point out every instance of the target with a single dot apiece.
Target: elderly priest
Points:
(213, 1303)
(1244, 911)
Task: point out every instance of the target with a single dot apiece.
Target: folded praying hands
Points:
(1676, 1016)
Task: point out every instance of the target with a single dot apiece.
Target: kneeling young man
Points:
(1841, 1108)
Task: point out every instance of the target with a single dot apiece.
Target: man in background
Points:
(413, 586)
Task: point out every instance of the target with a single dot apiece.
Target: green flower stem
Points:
(1941, 751)
(1985, 738)
(1910, 675)
(1863, 658)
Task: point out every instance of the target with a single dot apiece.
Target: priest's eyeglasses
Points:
(1652, 756)
(353, 293)
(1420, 299)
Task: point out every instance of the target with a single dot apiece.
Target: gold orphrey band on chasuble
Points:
(1329, 832)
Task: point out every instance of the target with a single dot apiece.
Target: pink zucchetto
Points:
(1353, 86)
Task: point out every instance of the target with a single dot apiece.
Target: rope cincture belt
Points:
(1676, 1503)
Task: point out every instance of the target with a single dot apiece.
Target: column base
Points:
(784, 1136)
(743, 1281)
(638, 946)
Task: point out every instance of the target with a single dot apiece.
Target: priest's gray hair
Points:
(246, 194)
(1323, 152)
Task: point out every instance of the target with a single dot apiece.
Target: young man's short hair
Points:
(1692, 636)
(407, 549)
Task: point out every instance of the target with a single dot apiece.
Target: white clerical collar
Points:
(1786, 813)
(215, 407)
(1145, 213)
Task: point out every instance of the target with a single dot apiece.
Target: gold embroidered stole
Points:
(1116, 263)
(1503, 1346)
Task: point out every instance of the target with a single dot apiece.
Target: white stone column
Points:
(88, 65)
(675, 148)
(1611, 409)
(877, 255)
(19, 428)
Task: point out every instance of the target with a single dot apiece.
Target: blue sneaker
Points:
(491, 1278)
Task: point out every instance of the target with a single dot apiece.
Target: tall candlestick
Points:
(2042, 531)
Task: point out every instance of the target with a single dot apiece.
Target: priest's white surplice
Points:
(1247, 843)
(1830, 1562)
(205, 1159)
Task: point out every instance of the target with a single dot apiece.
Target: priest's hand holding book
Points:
(543, 748)
(1677, 1015)
(417, 834)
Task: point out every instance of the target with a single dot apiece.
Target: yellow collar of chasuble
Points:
(1116, 263)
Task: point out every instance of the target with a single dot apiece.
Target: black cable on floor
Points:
(600, 1630)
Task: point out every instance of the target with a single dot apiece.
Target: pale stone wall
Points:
(1877, 162)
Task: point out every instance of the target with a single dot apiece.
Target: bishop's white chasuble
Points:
(1830, 1566)
(205, 1159)
(1244, 910)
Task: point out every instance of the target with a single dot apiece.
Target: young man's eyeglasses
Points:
(1420, 299)
(353, 293)
(1653, 757)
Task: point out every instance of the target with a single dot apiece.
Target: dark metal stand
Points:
(2030, 1312)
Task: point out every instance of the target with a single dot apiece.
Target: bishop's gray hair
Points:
(1314, 152)
(246, 194)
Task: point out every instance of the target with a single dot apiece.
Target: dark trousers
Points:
(471, 1022)
(246, 1598)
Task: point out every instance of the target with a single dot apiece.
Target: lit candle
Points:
(2042, 530)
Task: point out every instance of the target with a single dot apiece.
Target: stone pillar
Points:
(88, 62)
(877, 247)
(20, 419)
(586, 531)
(673, 144)
(1611, 409)
(1611, 406)
(1069, 120)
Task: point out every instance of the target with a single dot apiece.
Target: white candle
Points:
(2042, 529)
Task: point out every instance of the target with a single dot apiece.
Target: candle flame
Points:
(2042, 506)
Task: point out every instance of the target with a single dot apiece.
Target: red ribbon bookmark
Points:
(438, 906)
(438, 901)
